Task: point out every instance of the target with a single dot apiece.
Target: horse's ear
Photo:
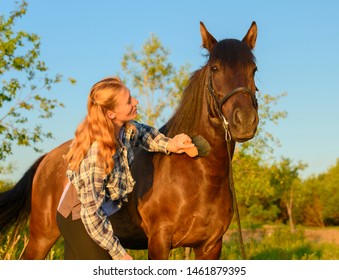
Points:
(208, 41)
(251, 36)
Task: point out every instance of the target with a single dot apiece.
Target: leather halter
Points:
(220, 103)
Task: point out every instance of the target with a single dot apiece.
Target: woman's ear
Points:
(110, 114)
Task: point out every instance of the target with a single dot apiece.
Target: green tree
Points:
(251, 165)
(24, 83)
(329, 194)
(284, 177)
(157, 83)
(254, 192)
(320, 203)
(308, 205)
(264, 143)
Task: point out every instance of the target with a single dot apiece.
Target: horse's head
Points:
(231, 69)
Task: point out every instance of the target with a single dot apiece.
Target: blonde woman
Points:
(101, 149)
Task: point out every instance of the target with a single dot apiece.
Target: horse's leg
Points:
(44, 233)
(39, 245)
(48, 185)
(210, 252)
(159, 245)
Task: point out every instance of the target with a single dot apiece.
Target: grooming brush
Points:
(202, 147)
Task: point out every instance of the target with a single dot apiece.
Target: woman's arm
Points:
(154, 141)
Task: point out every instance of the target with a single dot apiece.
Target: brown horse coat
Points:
(178, 200)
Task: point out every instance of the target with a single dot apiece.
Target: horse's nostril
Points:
(241, 118)
(237, 117)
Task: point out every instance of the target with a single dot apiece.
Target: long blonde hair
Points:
(97, 126)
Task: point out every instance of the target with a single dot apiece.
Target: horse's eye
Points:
(214, 68)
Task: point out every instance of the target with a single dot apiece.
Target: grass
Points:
(280, 244)
(273, 243)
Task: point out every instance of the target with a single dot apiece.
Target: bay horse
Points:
(178, 201)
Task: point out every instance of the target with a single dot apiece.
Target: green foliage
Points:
(24, 82)
(5, 186)
(264, 143)
(329, 195)
(283, 178)
(158, 85)
(13, 251)
(279, 243)
(265, 243)
(319, 204)
(254, 191)
(274, 192)
(252, 163)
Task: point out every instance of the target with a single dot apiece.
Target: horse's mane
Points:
(228, 52)
(187, 114)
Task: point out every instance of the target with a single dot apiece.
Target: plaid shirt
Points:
(93, 186)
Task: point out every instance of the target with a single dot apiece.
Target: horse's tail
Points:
(15, 204)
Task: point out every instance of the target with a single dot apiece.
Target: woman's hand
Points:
(126, 257)
(179, 142)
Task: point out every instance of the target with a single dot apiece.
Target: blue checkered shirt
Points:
(93, 186)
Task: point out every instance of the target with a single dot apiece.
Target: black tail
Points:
(15, 204)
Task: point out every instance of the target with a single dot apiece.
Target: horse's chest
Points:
(201, 225)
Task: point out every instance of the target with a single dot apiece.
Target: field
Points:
(263, 243)
(274, 243)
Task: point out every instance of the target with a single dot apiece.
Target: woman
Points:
(99, 173)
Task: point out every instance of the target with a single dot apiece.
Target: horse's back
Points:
(52, 170)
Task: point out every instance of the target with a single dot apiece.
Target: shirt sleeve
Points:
(150, 138)
(91, 195)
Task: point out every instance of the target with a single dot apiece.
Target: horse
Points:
(178, 201)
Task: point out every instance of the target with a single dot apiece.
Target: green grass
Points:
(281, 244)
(278, 243)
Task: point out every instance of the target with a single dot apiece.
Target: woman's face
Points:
(126, 107)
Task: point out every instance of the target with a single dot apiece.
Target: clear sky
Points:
(296, 51)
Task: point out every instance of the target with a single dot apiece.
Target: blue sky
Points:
(296, 51)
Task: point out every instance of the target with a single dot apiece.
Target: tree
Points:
(320, 203)
(309, 208)
(264, 143)
(157, 83)
(24, 83)
(251, 165)
(254, 192)
(284, 177)
(328, 189)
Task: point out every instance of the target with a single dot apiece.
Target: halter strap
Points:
(229, 95)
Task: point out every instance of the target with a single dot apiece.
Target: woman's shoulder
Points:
(88, 165)
(89, 162)
(92, 153)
